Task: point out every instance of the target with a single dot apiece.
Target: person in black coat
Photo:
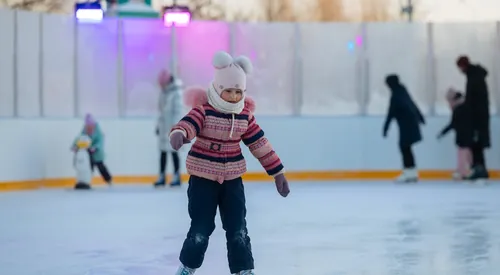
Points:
(408, 117)
(476, 96)
(461, 123)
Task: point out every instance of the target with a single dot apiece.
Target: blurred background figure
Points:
(408, 117)
(461, 123)
(82, 163)
(92, 129)
(476, 96)
(170, 108)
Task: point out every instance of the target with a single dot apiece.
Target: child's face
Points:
(232, 95)
(89, 129)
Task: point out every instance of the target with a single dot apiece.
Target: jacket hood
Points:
(477, 71)
(392, 81)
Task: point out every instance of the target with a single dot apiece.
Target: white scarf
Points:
(223, 106)
(216, 101)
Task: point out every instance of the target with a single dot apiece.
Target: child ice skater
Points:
(91, 128)
(222, 118)
(171, 111)
(461, 122)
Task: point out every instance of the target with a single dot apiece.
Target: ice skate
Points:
(176, 181)
(479, 176)
(245, 272)
(185, 271)
(160, 182)
(82, 186)
(480, 182)
(456, 176)
(408, 176)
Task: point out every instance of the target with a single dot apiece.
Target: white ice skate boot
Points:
(245, 272)
(407, 176)
(480, 182)
(457, 176)
(185, 271)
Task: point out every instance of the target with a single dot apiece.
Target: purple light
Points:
(253, 56)
(359, 40)
(90, 15)
(177, 18)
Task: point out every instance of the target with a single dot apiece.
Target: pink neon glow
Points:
(179, 19)
(359, 40)
(90, 15)
(253, 56)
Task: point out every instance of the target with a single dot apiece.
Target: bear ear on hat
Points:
(221, 60)
(245, 63)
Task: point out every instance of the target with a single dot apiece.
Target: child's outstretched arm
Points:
(261, 148)
(191, 124)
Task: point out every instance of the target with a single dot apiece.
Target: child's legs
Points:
(464, 159)
(103, 170)
(203, 197)
(233, 212)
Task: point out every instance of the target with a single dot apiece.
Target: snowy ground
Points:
(341, 228)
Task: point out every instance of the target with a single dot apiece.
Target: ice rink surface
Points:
(339, 228)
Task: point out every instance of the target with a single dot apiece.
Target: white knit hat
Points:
(230, 72)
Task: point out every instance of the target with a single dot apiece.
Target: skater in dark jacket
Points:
(408, 117)
(476, 96)
(461, 123)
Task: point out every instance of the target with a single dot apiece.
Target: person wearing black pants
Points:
(170, 109)
(478, 160)
(163, 165)
(408, 117)
(204, 197)
(101, 167)
(407, 156)
(477, 99)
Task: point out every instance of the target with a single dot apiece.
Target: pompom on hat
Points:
(230, 73)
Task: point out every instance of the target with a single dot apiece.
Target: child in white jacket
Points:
(170, 112)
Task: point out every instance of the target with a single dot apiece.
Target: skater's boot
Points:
(245, 272)
(176, 181)
(185, 270)
(408, 175)
(457, 176)
(479, 175)
(160, 182)
(82, 186)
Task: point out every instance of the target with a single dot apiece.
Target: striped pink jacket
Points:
(217, 156)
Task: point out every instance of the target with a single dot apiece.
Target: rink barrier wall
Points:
(36, 152)
(326, 176)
